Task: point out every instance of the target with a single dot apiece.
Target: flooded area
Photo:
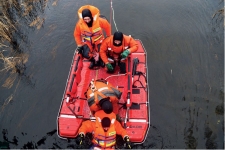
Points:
(185, 50)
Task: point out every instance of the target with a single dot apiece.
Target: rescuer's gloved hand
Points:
(127, 142)
(80, 139)
(125, 53)
(79, 49)
(109, 67)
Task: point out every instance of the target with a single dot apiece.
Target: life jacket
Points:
(94, 34)
(100, 89)
(101, 138)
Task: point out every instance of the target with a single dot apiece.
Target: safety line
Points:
(112, 14)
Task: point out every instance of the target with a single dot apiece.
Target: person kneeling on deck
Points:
(115, 49)
(89, 35)
(104, 130)
(102, 95)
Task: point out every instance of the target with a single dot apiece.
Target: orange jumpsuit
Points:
(101, 138)
(108, 50)
(103, 90)
(92, 36)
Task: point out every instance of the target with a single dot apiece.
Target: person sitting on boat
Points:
(89, 35)
(115, 49)
(102, 95)
(104, 130)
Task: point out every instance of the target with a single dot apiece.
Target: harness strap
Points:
(100, 94)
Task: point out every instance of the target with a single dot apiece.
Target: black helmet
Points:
(87, 13)
(106, 105)
(118, 36)
(106, 122)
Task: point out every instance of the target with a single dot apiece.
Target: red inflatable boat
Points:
(134, 103)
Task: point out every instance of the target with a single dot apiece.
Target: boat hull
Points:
(134, 106)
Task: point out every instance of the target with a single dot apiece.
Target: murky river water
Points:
(184, 40)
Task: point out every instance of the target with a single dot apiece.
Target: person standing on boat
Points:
(89, 35)
(115, 49)
(102, 95)
(104, 131)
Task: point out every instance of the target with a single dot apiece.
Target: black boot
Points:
(101, 63)
(92, 64)
(122, 66)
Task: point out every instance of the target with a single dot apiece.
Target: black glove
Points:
(79, 49)
(127, 142)
(80, 139)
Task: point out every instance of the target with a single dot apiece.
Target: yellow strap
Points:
(97, 38)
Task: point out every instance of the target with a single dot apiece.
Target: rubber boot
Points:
(101, 63)
(122, 66)
(92, 64)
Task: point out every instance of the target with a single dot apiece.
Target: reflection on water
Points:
(190, 140)
(30, 144)
(220, 108)
(210, 139)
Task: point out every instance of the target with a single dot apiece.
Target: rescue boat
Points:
(134, 106)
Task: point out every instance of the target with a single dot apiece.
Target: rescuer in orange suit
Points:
(89, 35)
(104, 130)
(103, 95)
(115, 49)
